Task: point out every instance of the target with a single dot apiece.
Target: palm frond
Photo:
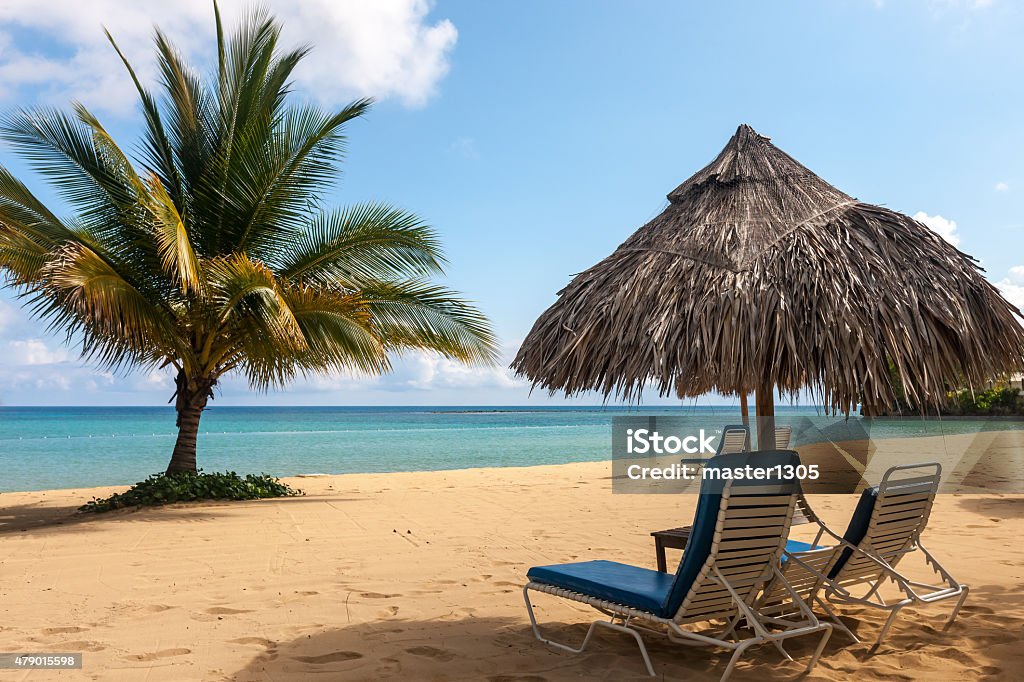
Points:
(416, 314)
(190, 115)
(28, 230)
(173, 240)
(159, 153)
(246, 294)
(337, 326)
(61, 149)
(21, 257)
(299, 160)
(80, 291)
(362, 243)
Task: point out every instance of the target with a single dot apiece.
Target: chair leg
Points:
(732, 624)
(835, 619)
(874, 588)
(956, 609)
(639, 642)
(590, 633)
(885, 628)
(821, 647)
(735, 657)
(785, 654)
(542, 638)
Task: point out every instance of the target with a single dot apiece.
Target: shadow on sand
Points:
(23, 518)
(499, 650)
(984, 643)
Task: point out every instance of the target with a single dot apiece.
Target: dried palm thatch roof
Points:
(759, 274)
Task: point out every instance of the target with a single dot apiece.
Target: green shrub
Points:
(188, 487)
(994, 401)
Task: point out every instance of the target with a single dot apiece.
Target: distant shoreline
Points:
(65, 448)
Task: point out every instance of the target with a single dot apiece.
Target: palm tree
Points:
(211, 251)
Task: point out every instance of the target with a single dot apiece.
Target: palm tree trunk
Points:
(190, 400)
(184, 456)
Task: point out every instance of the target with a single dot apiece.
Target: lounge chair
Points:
(739, 532)
(885, 527)
(735, 438)
(783, 435)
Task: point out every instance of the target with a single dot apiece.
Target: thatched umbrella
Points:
(760, 276)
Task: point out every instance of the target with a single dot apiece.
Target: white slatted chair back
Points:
(753, 524)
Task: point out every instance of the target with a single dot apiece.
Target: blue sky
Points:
(537, 136)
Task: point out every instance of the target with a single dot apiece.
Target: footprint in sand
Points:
(334, 657)
(156, 608)
(260, 641)
(157, 655)
(442, 655)
(972, 608)
(987, 640)
(216, 613)
(389, 666)
(225, 611)
(82, 645)
(953, 654)
(62, 631)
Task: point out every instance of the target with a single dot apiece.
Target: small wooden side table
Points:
(673, 538)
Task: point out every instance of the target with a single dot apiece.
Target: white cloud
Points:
(417, 371)
(1002, 187)
(156, 379)
(33, 352)
(1012, 286)
(941, 226)
(385, 48)
(1014, 293)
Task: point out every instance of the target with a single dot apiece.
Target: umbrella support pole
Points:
(765, 408)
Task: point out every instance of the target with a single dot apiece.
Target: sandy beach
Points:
(418, 576)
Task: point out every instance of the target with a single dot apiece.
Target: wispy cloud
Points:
(943, 227)
(465, 147)
(386, 48)
(970, 5)
(1002, 187)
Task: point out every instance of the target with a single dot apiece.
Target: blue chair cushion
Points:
(798, 546)
(640, 588)
(857, 528)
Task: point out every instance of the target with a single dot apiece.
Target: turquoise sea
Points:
(63, 447)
